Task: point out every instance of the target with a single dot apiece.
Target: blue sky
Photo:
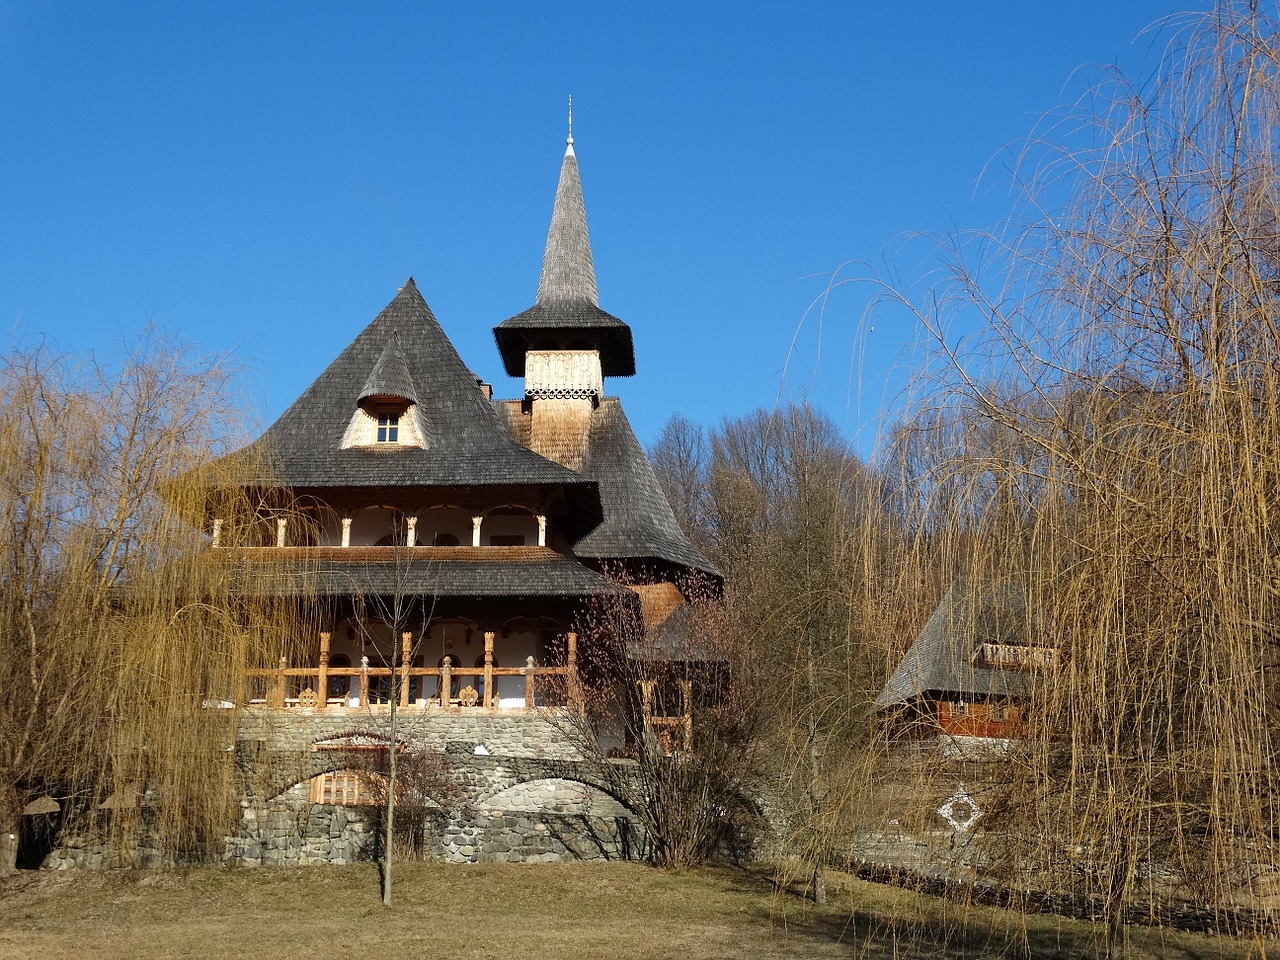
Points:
(261, 177)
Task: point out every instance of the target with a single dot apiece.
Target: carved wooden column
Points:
(346, 534)
(446, 680)
(490, 695)
(277, 690)
(475, 530)
(528, 683)
(364, 681)
(542, 530)
(322, 675)
(411, 531)
(406, 655)
(217, 534)
(282, 531)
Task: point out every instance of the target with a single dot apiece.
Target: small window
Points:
(388, 428)
(342, 788)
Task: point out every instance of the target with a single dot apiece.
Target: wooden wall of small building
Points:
(998, 720)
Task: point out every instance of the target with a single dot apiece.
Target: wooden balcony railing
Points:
(288, 687)
(447, 686)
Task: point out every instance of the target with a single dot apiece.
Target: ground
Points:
(614, 911)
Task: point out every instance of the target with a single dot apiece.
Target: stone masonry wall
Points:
(529, 794)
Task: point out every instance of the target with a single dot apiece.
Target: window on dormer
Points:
(388, 428)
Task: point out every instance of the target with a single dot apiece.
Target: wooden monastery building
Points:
(969, 675)
(450, 538)
(441, 555)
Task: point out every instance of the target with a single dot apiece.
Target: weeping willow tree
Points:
(1112, 443)
(120, 638)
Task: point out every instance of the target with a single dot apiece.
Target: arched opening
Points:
(445, 526)
(509, 526)
(378, 527)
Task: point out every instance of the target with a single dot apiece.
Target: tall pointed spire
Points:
(566, 313)
(568, 273)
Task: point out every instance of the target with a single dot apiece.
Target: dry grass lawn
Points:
(611, 911)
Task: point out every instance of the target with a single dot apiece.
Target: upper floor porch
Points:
(380, 524)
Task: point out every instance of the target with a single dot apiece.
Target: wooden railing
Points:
(323, 686)
(365, 686)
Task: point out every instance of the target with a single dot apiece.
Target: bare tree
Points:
(670, 715)
(815, 560)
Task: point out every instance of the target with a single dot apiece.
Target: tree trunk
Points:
(389, 832)
(10, 829)
(815, 773)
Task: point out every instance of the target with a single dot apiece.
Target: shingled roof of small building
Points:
(465, 443)
(567, 307)
(943, 658)
(639, 523)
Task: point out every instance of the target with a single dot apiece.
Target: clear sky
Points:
(261, 177)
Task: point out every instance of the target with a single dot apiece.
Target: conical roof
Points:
(390, 376)
(468, 446)
(568, 272)
(566, 313)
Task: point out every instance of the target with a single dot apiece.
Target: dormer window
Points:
(388, 428)
(384, 425)
(385, 414)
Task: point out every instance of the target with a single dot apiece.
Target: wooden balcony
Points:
(450, 687)
(415, 688)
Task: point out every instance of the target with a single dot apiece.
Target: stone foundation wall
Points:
(545, 734)
(528, 795)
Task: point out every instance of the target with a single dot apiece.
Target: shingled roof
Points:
(404, 350)
(390, 376)
(944, 661)
(638, 521)
(567, 310)
(417, 571)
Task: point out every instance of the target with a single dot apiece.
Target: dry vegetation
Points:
(581, 912)
(1106, 438)
(116, 633)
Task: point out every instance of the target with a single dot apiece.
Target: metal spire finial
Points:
(570, 140)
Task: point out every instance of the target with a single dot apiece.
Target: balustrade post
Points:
(322, 674)
(277, 690)
(446, 680)
(490, 695)
(406, 654)
(574, 690)
(528, 683)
